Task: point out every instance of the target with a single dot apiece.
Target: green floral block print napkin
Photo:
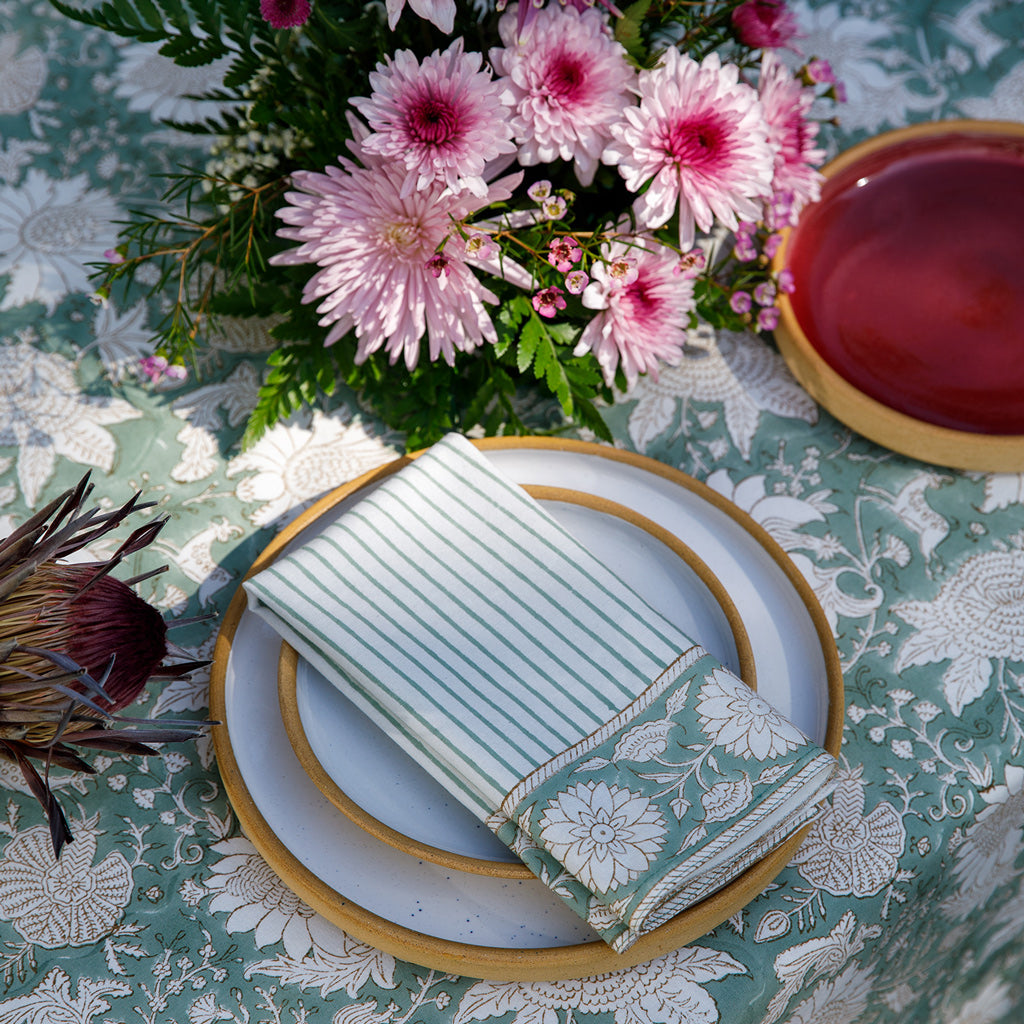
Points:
(627, 767)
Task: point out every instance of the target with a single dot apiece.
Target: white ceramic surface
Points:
(388, 784)
(789, 655)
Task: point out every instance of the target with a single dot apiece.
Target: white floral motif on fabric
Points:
(726, 799)
(604, 834)
(977, 616)
(50, 229)
(154, 84)
(848, 852)
(880, 92)
(742, 373)
(841, 1000)
(51, 1000)
(992, 842)
(257, 901)
(668, 990)
(22, 74)
(45, 414)
(782, 515)
(992, 1004)
(68, 902)
(735, 718)
(295, 464)
(1003, 103)
(122, 339)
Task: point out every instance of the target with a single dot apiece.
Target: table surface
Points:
(907, 901)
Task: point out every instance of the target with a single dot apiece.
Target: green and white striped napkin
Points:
(627, 767)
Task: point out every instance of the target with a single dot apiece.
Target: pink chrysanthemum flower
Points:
(699, 137)
(792, 134)
(442, 119)
(764, 23)
(570, 83)
(285, 13)
(377, 253)
(527, 11)
(439, 12)
(644, 309)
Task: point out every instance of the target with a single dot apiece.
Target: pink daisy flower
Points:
(792, 134)
(643, 313)
(378, 254)
(527, 11)
(442, 119)
(285, 13)
(570, 83)
(699, 137)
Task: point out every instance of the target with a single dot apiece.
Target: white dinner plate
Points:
(369, 778)
(474, 924)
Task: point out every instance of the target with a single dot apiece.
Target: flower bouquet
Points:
(457, 210)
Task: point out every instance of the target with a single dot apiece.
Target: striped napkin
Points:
(627, 767)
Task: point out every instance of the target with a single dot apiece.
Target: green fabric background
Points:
(907, 902)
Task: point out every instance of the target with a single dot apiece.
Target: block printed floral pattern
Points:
(49, 230)
(46, 415)
(604, 834)
(743, 723)
(849, 852)
(976, 620)
(75, 901)
(695, 761)
(905, 905)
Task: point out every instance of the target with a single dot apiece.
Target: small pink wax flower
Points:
(539, 190)
(692, 263)
(158, 369)
(576, 281)
(564, 254)
(740, 302)
(439, 264)
(554, 207)
(479, 246)
(623, 269)
(548, 301)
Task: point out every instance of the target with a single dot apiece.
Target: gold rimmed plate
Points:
(905, 318)
(473, 924)
(384, 791)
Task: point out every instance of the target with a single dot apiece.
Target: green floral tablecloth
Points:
(905, 904)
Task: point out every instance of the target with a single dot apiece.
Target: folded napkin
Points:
(627, 767)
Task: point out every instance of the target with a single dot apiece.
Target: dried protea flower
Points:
(76, 646)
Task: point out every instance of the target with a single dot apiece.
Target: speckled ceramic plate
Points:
(472, 924)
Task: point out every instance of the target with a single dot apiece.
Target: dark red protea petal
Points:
(109, 618)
